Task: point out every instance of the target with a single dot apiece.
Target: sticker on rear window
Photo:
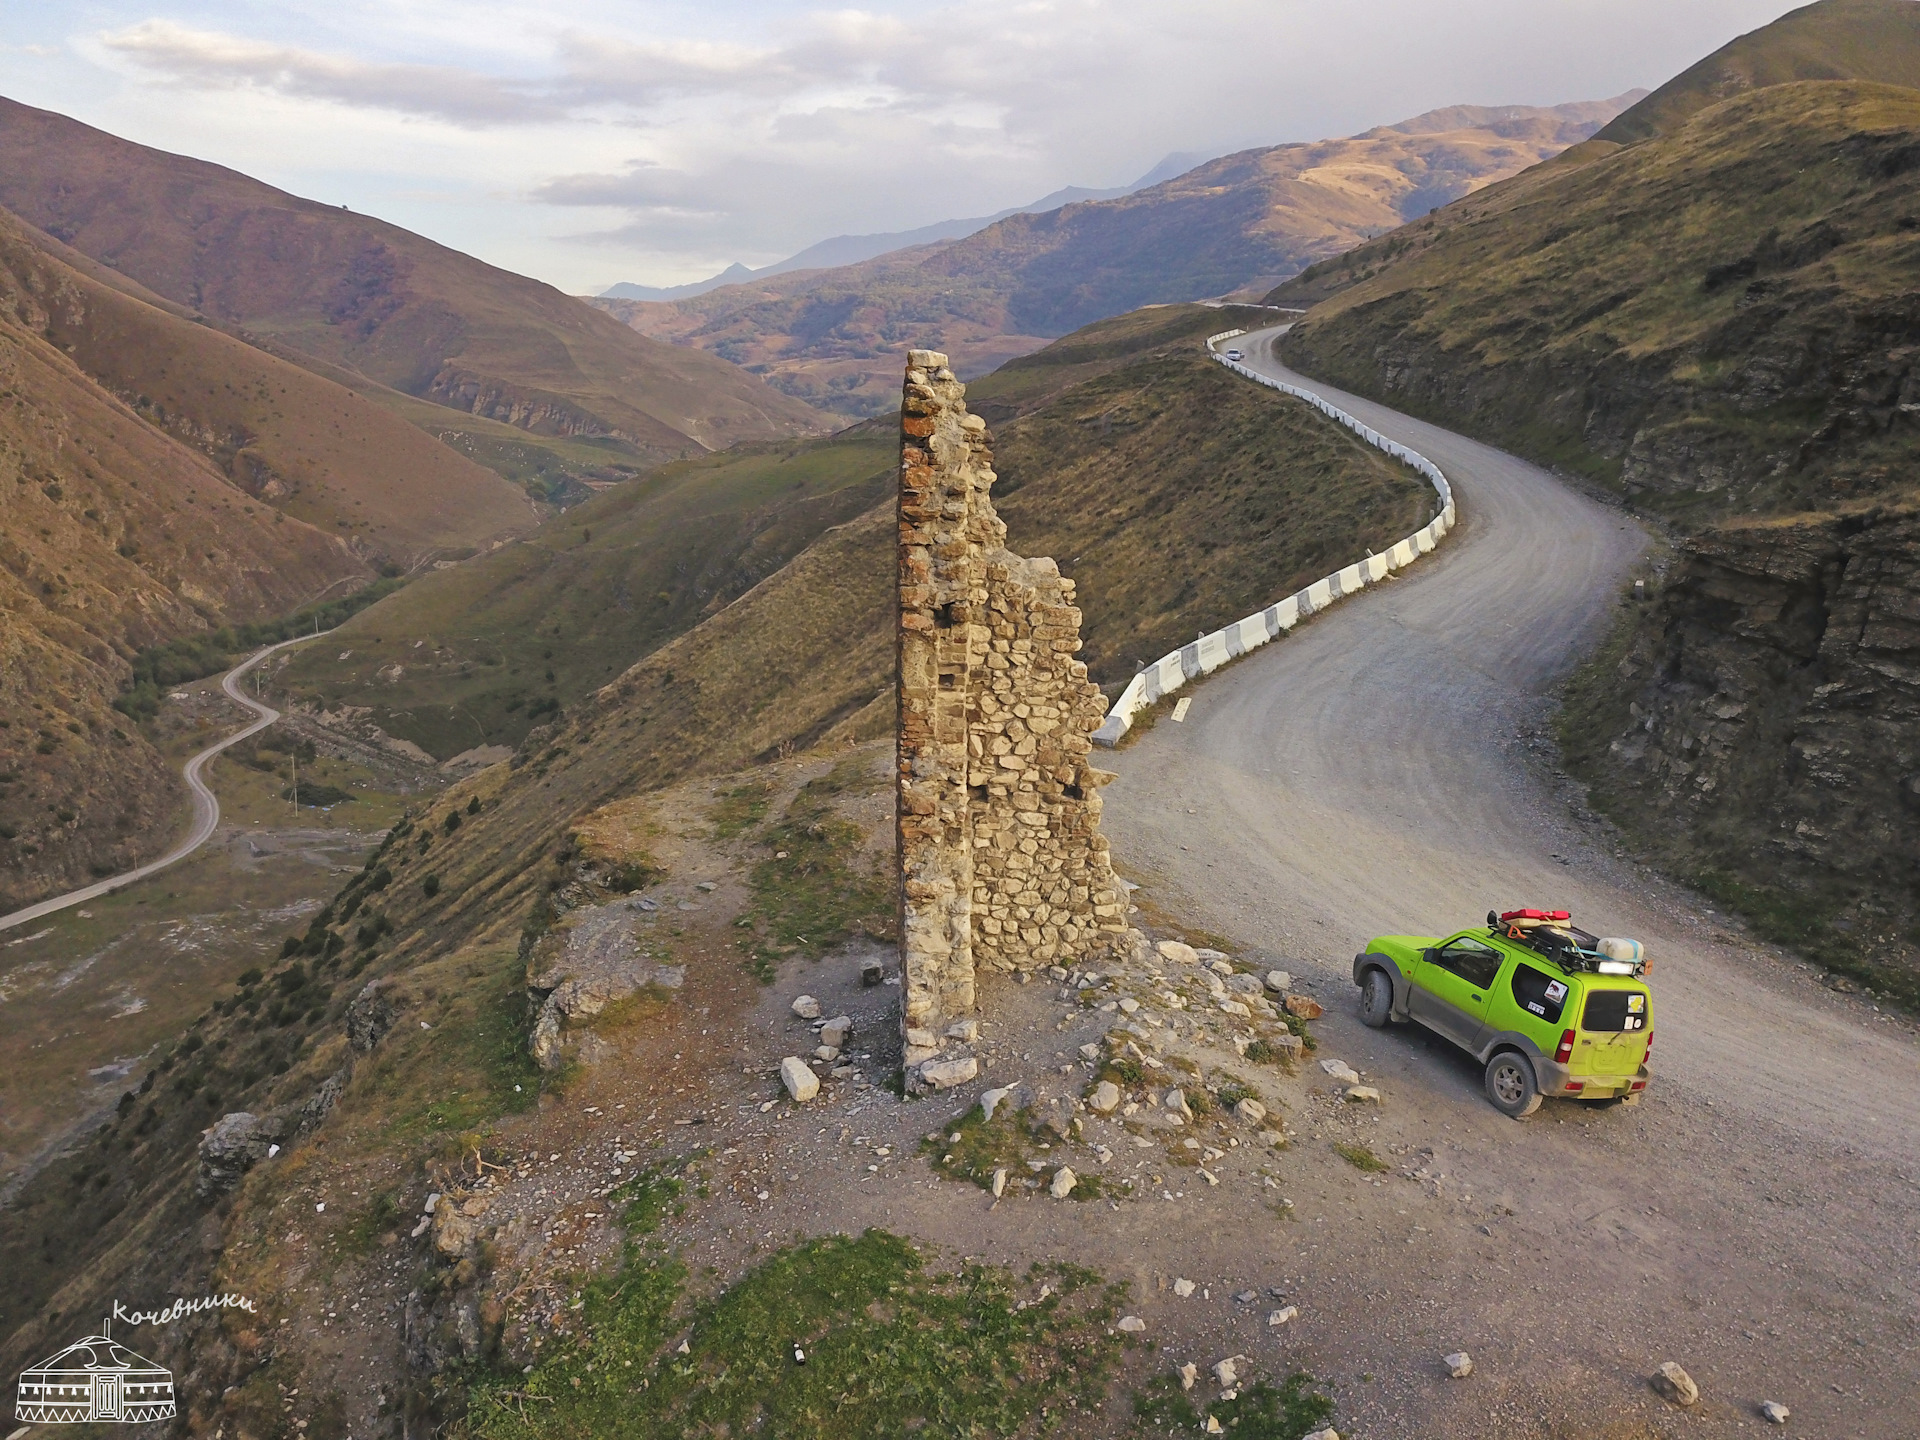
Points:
(1636, 1004)
(1556, 990)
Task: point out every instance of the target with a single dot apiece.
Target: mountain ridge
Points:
(413, 315)
(1259, 215)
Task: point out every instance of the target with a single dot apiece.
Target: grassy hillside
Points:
(1245, 220)
(1833, 40)
(479, 654)
(1720, 323)
(803, 658)
(1715, 322)
(291, 440)
(113, 536)
(411, 315)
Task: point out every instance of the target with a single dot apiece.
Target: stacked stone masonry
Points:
(1001, 857)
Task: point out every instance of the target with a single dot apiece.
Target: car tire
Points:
(1376, 998)
(1511, 1086)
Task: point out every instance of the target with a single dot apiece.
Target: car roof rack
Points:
(1551, 935)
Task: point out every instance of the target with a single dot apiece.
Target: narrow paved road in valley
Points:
(206, 805)
(1757, 1219)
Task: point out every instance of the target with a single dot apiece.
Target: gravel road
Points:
(206, 805)
(1758, 1218)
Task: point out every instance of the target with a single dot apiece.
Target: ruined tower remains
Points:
(1002, 864)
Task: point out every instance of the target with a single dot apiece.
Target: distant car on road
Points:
(1549, 1010)
(1235, 355)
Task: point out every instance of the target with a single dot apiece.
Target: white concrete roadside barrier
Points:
(1210, 652)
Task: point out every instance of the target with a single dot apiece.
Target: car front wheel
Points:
(1511, 1085)
(1376, 999)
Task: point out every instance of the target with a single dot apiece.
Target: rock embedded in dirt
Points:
(1773, 1412)
(1132, 1324)
(1341, 1071)
(1279, 981)
(1327, 1434)
(1363, 1094)
(1105, 1097)
(1063, 1182)
(1674, 1385)
(826, 1054)
(999, 1186)
(369, 1017)
(965, 1031)
(1188, 1374)
(990, 1100)
(1284, 1315)
(1176, 1101)
(236, 1143)
(806, 1007)
(1183, 1288)
(1250, 1111)
(872, 972)
(1459, 1364)
(945, 1074)
(1301, 1008)
(1225, 1372)
(1243, 984)
(802, 1084)
(1177, 952)
(836, 1031)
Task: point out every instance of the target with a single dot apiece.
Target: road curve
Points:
(206, 805)
(1370, 774)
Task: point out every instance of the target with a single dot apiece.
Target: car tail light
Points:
(1639, 1085)
(1565, 1052)
(1576, 1084)
(1649, 1055)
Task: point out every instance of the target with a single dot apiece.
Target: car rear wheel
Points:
(1376, 999)
(1511, 1086)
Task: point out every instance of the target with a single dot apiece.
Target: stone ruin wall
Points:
(1002, 862)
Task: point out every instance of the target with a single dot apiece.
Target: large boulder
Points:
(234, 1145)
(370, 1016)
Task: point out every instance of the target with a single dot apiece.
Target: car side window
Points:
(1474, 961)
(1538, 993)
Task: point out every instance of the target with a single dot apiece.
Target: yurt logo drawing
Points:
(92, 1380)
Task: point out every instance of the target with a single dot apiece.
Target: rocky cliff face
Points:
(1762, 727)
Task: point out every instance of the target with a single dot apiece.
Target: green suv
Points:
(1545, 1007)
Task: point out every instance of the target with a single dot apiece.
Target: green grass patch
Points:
(1260, 1411)
(741, 808)
(817, 886)
(1362, 1159)
(470, 1069)
(891, 1348)
(1009, 1140)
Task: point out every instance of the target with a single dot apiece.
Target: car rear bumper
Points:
(1559, 1081)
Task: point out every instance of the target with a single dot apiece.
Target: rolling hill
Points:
(408, 314)
(478, 655)
(115, 535)
(1719, 322)
(1244, 220)
(1832, 40)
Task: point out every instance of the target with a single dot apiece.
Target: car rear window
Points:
(1538, 993)
(1615, 1010)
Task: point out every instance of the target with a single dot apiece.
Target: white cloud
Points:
(660, 139)
(213, 60)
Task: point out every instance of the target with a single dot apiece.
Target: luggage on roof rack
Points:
(1551, 933)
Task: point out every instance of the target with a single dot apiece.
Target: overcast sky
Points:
(592, 141)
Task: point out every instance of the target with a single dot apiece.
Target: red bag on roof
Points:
(1536, 915)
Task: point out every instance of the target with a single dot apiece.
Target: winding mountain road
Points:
(206, 805)
(1757, 1219)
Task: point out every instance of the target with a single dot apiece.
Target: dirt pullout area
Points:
(1255, 1205)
